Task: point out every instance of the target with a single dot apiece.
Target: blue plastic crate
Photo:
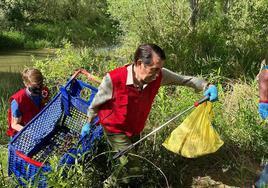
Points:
(54, 131)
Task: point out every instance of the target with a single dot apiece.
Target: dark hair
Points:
(144, 52)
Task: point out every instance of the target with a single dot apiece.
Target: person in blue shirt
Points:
(263, 111)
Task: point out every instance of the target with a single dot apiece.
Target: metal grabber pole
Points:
(197, 103)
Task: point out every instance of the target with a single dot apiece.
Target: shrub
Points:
(11, 40)
(59, 68)
(230, 36)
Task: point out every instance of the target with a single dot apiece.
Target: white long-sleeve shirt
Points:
(105, 89)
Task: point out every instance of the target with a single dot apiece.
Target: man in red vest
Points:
(263, 111)
(27, 102)
(126, 94)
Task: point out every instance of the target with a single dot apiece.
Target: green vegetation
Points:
(39, 24)
(221, 41)
(10, 83)
(200, 37)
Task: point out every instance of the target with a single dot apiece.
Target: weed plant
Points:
(10, 82)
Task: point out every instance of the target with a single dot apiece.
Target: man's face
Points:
(148, 73)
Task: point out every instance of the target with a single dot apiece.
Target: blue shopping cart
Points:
(54, 131)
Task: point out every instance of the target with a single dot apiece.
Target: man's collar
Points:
(130, 79)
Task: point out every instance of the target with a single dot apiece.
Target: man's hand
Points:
(263, 110)
(85, 129)
(212, 93)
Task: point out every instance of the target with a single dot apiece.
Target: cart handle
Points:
(87, 74)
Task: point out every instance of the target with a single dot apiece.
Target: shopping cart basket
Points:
(54, 131)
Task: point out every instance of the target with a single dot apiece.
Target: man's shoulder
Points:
(118, 73)
(119, 69)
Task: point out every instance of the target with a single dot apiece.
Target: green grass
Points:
(5, 181)
(4, 157)
(10, 83)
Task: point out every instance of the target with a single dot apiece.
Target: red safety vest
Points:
(26, 107)
(129, 108)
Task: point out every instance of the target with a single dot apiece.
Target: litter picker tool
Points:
(197, 103)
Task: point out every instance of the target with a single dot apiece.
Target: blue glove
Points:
(263, 110)
(212, 93)
(85, 129)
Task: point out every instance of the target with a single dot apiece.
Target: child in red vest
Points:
(27, 102)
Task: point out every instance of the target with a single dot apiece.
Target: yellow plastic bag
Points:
(195, 136)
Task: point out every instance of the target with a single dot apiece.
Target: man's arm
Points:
(172, 78)
(263, 92)
(263, 85)
(105, 92)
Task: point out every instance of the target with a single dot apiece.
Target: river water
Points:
(16, 60)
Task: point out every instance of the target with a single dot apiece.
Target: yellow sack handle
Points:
(195, 136)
